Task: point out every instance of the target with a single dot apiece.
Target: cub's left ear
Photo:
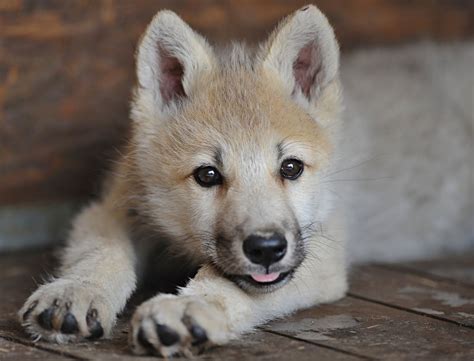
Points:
(303, 51)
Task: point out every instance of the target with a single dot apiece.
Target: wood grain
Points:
(439, 299)
(21, 271)
(350, 329)
(66, 70)
(378, 332)
(15, 351)
(457, 269)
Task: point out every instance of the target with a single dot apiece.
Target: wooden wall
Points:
(66, 68)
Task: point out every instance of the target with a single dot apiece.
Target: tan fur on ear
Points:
(169, 58)
(304, 52)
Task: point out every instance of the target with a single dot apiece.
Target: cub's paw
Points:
(67, 311)
(169, 325)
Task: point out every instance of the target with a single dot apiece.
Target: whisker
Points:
(350, 167)
(356, 179)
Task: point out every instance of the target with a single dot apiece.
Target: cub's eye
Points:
(291, 168)
(207, 176)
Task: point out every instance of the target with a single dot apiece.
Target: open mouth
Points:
(261, 282)
(267, 279)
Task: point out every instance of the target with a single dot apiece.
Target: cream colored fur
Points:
(244, 104)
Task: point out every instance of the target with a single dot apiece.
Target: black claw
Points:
(45, 318)
(69, 325)
(96, 331)
(199, 335)
(143, 340)
(29, 310)
(167, 335)
(93, 314)
(95, 328)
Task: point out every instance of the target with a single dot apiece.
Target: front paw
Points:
(169, 325)
(67, 311)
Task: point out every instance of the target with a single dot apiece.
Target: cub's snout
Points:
(260, 261)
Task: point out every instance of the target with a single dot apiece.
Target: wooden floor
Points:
(412, 311)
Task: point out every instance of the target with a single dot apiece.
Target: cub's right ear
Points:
(169, 58)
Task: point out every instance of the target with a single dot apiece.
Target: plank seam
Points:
(406, 309)
(42, 348)
(416, 272)
(332, 348)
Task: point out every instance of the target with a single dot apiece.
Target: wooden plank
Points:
(17, 281)
(66, 72)
(21, 272)
(378, 332)
(346, 330)
(263, 345)
(253, 347)
(27, 263)
(16, 351)
(455, 268)
(417, 293)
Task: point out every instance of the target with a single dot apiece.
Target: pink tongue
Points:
(265, 278)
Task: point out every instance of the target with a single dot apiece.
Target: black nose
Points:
(265, 250)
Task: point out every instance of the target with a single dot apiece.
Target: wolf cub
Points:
(223, 168)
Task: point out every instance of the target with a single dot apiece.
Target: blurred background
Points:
(67, 68)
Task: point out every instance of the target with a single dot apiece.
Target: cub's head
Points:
(231, 147)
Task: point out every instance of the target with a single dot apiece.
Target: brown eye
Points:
(291, 168)
(207, 176)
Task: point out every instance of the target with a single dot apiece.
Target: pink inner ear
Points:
(306, 68)
(171, 79)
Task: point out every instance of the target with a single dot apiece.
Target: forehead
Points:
(250, 101)
(232, 110)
